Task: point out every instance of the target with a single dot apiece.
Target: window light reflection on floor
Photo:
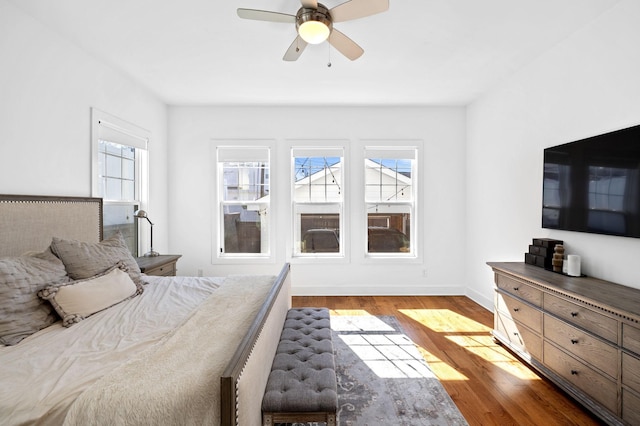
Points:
(474, 337)
(387, 352)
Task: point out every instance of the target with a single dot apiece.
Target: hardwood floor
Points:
(489, 385)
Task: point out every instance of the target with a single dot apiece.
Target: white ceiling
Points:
(420, 52)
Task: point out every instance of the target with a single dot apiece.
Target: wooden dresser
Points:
(582, 333)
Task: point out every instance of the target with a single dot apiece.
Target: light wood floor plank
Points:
(489, 385)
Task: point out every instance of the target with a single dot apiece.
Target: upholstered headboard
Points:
(28, 222)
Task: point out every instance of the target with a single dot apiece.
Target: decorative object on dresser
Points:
(582, 333)
(164, 264)
(573, 265)
(141, 214)
(541, 252)
(558, 258)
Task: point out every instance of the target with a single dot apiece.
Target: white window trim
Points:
(243, 146)
(105, 126)
(108, 127)
(395, 148)
(319, 146)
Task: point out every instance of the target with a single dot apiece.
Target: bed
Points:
(140, 349)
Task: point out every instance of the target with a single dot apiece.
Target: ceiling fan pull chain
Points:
(329, 63)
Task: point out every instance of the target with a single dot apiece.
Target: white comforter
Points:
(177, 382)
(42, 376)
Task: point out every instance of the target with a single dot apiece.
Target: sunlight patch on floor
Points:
(441, 320)
(442, 369)
(470, 335)
(349, 312)
(388, 353)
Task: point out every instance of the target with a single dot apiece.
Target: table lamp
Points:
(141, 214)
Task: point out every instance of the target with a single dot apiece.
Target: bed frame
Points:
(28, 223)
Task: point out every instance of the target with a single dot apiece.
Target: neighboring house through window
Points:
(389, 195)
(244, 199)
(349, 201)
(318, 194)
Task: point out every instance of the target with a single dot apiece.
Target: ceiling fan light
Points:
(314, 32)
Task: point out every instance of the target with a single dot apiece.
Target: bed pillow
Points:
(22, 313)
(86, 260)
(77, 300)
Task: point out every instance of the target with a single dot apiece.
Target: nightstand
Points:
(163, 265)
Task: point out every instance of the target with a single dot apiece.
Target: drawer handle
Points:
(516, 288)
(574, 341)
(516, 309)
(574, 314)
(574, 372)
(515, 333)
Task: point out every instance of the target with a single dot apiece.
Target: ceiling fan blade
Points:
(355, 9)
(266, 15)
(310, 4)
(295, 50)
(345, 45)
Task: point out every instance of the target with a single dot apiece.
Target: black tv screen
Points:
(593, 185)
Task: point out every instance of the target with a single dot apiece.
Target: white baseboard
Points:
(378, 291)
(480, 299)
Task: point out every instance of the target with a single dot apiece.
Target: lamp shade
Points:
(314, 25)
(314, 32)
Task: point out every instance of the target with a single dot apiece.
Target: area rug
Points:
(383, 379)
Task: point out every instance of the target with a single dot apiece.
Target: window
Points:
(318, 194)
(244, 201)
(390, 200)
(120, 165)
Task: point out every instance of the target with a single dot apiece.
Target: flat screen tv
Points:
(593, 185)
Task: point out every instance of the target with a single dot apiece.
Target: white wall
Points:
(482, 200)
(587, 85)
(191, 130)
(47, 87)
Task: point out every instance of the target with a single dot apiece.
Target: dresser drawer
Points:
(631, 371)
(168, 270)
(630, 407)
(519, 289)
(583, 345)
(592, 321)
(518, 335)
(631, 338)
(520, 311)
(589, 381)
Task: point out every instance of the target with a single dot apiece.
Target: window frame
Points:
(395, 149)
(318, 147)
(109, 128)
(235, 148)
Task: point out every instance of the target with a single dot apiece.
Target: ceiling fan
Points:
(314, 24)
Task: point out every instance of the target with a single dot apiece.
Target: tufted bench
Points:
(302, 383)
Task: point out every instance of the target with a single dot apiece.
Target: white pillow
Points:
(78, 300)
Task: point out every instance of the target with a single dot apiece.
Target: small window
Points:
(390, 200)
(318, 193)
(244, 201)
(120, 165)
